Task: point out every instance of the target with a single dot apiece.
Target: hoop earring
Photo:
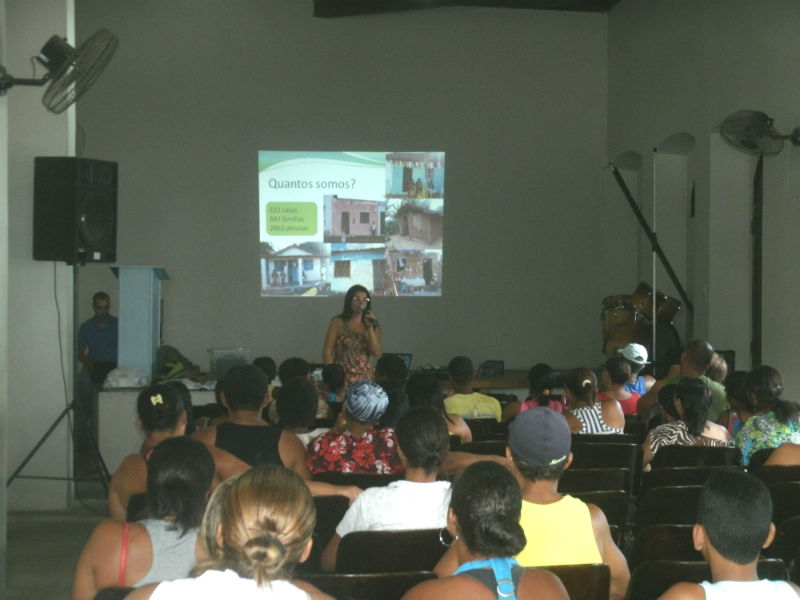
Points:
(449, 536)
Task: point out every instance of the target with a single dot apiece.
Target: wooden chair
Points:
(772, 474)
(481, 428)
(389, 551)
(758, 458)
(367, 586)
(362, 480)
(651, 579)
(330, 510)
(584, 582)
(635, 427)
(485, 447)
(588, 455)
(786, 544)
(785, 500)
(669, 476)
(613, 503)
(663, 542)
(675, 505)
(610, 438)
(697, 456)
(594, 480)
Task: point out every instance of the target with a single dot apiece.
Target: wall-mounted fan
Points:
(70, 71)
(753, 132)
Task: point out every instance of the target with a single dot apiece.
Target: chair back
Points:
(786, 544)
(676, 505)
(670, 476)
(771, 474)
(785, 500)
(651, 579)
(389, 551)
(584, 582)
(367, 586)
(594, 480)
(485, 447)
(609, 438)
(593, 455)
(483, 428)
(330, 510)
(697, 456)
(663, 542)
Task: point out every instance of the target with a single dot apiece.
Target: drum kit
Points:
(628, 318)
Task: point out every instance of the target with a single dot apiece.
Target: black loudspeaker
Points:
(74, 209)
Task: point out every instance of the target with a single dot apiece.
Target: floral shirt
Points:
(351, 351)
(375, 452)
(765, 431)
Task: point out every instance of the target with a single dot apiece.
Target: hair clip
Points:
(586, 382)
(157, 399)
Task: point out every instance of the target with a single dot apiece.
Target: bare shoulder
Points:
(599, 521)
(541, 583)
(208, 435)
(450, 588)
(684, 591)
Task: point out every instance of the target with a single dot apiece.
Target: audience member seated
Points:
(289, 370)
(787, 454)
(356, 444)
(417, 502)
(332, 387)
(464, 401)
(542, 379)
(297, 409)
(560, 529)
(733, 524)
(161, 416)
(391, 374)
(616, 373)
(212, 415)
(777, 421)
(695, 359)
(161, 547)
(636, 356)
(424, 389)
(266, 520)
(741, 408)
(584, 413)
(718, 369)
(692, 428)
(483, 521)
(186, 400)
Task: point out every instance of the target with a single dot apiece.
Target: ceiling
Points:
(348, 8)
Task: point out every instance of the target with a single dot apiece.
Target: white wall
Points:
(39, 338)
(683, 66)
(516, 98)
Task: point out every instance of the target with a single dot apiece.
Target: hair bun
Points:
(264, 549)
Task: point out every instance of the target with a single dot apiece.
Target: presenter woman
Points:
(354, 337)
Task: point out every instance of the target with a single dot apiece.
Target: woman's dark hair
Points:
(582, 382)
(695, 399)
(179, 475)
(159, 408)
(425, 389)
(297, 403)
(333, 376)
(398, 403)
(736, 391)
(618, 369)
(766, 384)
(347, 311)
(423, 437)
(266, 364)
(541, 377)
(666, 400)
(487, 501)
(186, 399)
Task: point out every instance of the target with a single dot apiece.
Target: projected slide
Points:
(328, 220)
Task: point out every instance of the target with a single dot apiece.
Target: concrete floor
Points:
(43, 547)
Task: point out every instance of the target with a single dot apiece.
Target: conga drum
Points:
(642, 299)
(667, 309)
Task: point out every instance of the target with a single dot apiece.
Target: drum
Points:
(642, 299)
(620, 301)
(621, 335)
(667, 309)
(617, 314)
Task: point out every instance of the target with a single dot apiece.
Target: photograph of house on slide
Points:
(328, 220)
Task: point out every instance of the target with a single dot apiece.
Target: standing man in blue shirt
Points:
(97, 352)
